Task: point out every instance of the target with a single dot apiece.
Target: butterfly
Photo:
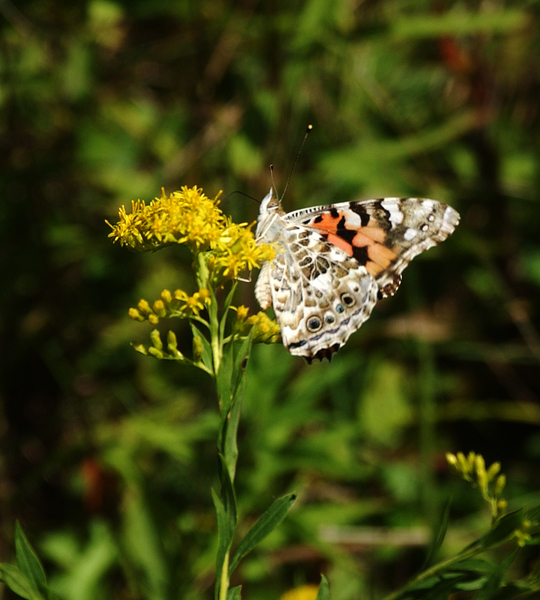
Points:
(334, 262)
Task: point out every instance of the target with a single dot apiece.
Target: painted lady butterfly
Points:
(334, 262)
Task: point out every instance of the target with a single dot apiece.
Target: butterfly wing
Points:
(320, 295)
(383, 235)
